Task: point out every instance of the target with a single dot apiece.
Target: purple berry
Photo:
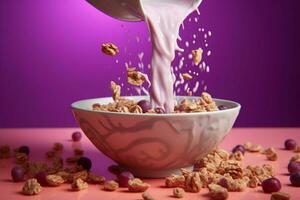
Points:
(41, 178)
(85, 162)
(76, 136)
(290, 144)
(159, 110)
(145, 105)
(17, 174)
(294, 167)
(24, 149)
(116, 169)
(271, 185)
(124, 177)
(222, 107)
(240, 148)
(295, 179)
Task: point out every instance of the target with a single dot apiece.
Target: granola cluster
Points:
(31, 187)
(135, 77)
(205, 103)
(197, 56)
(109, 49)
(220, 172)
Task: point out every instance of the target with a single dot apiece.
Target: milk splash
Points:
(164, 19)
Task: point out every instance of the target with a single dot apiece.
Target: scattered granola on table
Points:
(280, 196)
(178, 192)
(54, 180)
(111, 185)
(95, 179)
(217, 192)
(137, 185)
(31, 187)
(147, 196)
(109, 49)
(252, 147)
(79, 184)
(175, 181)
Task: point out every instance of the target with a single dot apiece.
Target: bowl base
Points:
(141, 173)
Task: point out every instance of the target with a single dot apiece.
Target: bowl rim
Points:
(236, 107)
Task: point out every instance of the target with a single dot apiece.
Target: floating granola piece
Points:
(178, 192)
(187, 76)
(79, 184)
(95, 179)
(31, 187)
(280, 196)
(147, 196)
(217, 192)
(175, 181)
(137, 185)
(116, 90)
(111, 185)
(135, 77)
(54, 180)
(197, 55)
(109, 49)
(4, 151)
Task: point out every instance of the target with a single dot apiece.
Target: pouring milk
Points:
(163, 18)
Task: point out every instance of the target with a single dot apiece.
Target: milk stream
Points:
(164, 19)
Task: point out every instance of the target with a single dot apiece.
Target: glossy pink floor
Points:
(41, 140)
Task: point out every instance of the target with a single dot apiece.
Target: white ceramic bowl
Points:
(154, 145)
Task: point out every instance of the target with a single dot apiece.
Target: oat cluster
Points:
(109, 49)
(31, 187)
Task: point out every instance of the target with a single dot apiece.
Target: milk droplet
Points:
(187, 44)
(196, 19)
(117, 61)
(209, 33)
(137, 39)
(193, 41)
(205, 35)
(206, 44)
(207, 68)
(208, 53)
(190, 56)
(196, 87)
(194, 36)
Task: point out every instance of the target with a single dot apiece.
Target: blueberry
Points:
(145, 105)
(24, 149)
(271, 185)
(290, 144)
(76, 136)
(124, 177)
(294, 167)
(85, 162)
(240, 148)
(159, 110)
(222, 107)
(115, 169)
(17, 174)
(41, 178)
(295, 179)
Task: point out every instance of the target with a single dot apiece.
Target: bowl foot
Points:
(141, 173)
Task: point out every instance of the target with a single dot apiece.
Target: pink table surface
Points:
(41, 140)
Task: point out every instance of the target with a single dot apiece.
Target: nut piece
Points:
(295, 158)
(217, 192)
(272, 156)
(31, 187)
(111, 185)
(197, 55)
(79, 184)
(135, 77)
(280, 196)
(297, 149)
(67, 177)
(116, 90)
(178, 192)
(4, 151)
(137, 185)
(253, 182)
(175, 181)
(54, 180)
(187, 76)
(238, 156)
(58, 146)
(21, 158)
(109, 49)
(147, 196)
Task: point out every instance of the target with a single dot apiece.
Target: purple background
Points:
(50, 57)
